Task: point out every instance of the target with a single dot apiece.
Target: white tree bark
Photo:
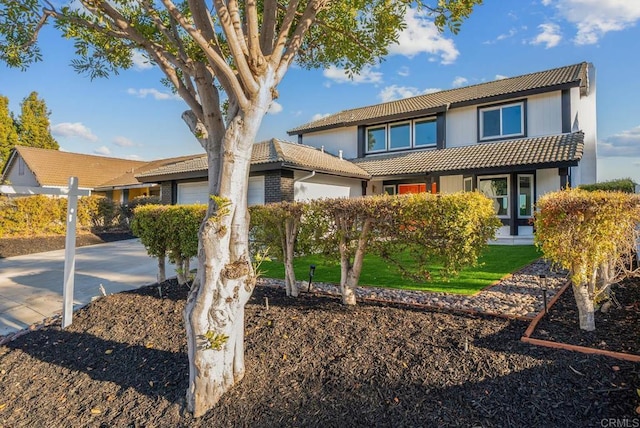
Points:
(225, 278)
(162, 276)
(586, 311)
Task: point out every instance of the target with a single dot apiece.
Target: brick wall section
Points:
(272, 191)
(286, 187)
(165, 192)
(278, 186)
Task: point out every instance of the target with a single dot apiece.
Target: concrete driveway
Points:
(31, 285)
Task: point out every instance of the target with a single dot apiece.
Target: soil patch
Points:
(21, 245)
(310, 362)
(616, 330)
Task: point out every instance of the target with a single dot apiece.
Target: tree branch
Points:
(222, 70)
(269, 21)
(256, 60)
(244, 72)
(279, 45)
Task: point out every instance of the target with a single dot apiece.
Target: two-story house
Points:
(512, 139)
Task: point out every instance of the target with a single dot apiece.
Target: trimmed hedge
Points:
(625, 185)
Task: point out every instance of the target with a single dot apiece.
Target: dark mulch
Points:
(616, 330)
(18, 246)
(310, 362)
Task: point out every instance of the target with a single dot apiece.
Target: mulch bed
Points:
(310, 362)
(18, 246)
(616, 330)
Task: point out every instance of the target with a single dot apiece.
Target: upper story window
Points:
(501, 121)
(417, 133)
(20, 166)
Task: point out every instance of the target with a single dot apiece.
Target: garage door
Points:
(193, 193)
(198, 193)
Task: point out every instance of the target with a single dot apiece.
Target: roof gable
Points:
(569, 76)
(54, 167)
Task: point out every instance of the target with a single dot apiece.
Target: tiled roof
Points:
(54, 167)
(271, 151)
(572, 75)
(552, 150)
(129, 178)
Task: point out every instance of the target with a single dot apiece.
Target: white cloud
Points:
(76, 129)
(549, 35)
(594, 18)
(132, 157)
(156, 94)
(319, 116)
(403, 71)
(422, 36)
(140, 62)
(625, 143)
(339, 75)
(459, 81)
(122, 141)
(102, 150)
(274, 108)
(395, 92)
(501, 76)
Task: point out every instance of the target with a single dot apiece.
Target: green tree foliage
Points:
(8, 133)
(591, 234)
(33, 124)
(625, 185)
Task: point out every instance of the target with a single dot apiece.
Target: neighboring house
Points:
(512, 139)
(280, 171)
(111, 177)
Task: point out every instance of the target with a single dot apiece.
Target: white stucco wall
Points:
(26, 179)
(325, 186)
(544, 117)
(544, 114)
(547, 180)
(334, 140)
(584, 108)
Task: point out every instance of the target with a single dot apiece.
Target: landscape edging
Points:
(526, 337)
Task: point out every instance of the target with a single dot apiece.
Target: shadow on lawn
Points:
(152, 372)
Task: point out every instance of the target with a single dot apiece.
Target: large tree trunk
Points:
(585, 307)
(214, 314)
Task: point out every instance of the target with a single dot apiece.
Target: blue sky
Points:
(132, 115)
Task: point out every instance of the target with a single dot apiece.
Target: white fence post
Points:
(70, 253)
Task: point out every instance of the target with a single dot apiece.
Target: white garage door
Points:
(198, 193)
(193, 193)
(256, 190)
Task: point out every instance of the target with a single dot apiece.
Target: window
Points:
(425, 133)
(497, 189)
(400, 136)
(467, 184)
(390, 190)
(377, 139)
(525, 195)
(417, 133)
(20, 166)
(501, 121)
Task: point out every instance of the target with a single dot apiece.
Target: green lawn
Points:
(496, 262)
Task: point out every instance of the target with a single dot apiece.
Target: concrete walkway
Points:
(31, 285)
